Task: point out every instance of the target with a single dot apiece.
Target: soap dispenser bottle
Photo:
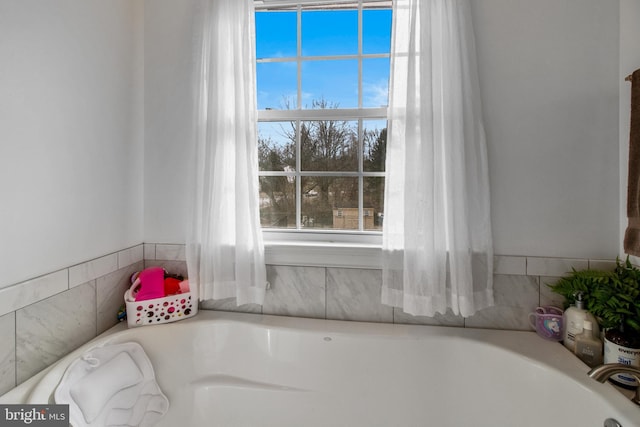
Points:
(572, 322)
(589, 348)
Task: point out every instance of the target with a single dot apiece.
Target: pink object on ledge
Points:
(148, 285)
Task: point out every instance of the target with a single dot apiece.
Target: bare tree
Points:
(325, 145)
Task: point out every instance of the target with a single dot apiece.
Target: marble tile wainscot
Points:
(354, 293)
(47, 317)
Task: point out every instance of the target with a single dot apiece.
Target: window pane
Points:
(276, 34)
(375, 82)
(277, 85)
(376, 31)
(329, 32)
(373, 199)
(277, 202)
(374, 145)
(291, 148)
(277, 146)
(329, 202)
(329, 145)
(330, 84)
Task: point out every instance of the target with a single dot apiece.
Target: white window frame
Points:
(326, 247)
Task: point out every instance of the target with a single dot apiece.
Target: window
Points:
(322, 81)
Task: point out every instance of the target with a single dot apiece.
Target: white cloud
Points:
(375, 94)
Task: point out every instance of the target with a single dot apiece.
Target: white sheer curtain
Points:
(225, 252)
(437, 245)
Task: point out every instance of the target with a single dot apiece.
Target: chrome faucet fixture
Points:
(603, 372)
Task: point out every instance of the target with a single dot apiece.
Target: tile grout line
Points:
(95, 306)
(15, 349)
(325, 292)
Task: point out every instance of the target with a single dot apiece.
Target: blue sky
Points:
(323, 33)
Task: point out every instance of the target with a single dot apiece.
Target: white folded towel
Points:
(111, 386)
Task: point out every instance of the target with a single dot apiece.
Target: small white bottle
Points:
(588, 347)
(572, 321)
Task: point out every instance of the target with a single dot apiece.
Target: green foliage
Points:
(584, 281)
(612, 296)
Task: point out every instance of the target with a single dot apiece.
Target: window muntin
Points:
(322, 115)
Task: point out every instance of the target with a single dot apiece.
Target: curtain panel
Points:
(225, 252)
(437, 244)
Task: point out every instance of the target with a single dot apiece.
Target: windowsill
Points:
(314, 249)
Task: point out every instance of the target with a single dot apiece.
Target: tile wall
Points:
(43, 319)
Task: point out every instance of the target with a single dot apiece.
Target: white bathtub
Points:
(228, 369)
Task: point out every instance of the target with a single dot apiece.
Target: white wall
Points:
(629, 62)
(549, 72)
(70, 132)
(168, 119)
(549, 79)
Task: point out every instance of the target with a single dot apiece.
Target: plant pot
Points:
(622, 347)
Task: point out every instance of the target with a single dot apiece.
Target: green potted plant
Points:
(613, 297)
